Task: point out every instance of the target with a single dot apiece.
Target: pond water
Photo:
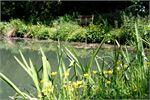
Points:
(30, 49)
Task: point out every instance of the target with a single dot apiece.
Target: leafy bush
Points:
(128, 26)
(65, 28)
(39, 31)
(21, 27)
(4, 26)
(95, 33)
(126, 33)
(118, 34)
(147, 32)
(78, 34)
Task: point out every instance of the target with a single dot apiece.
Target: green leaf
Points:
(12, 85)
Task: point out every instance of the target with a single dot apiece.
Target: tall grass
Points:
(124, 76)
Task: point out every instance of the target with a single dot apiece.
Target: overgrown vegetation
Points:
(53, 21)
(124, 76)
(67, 29)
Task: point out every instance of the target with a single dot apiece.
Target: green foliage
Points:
(128, 26)
(65, 28)
(147, 33)
(95, 33)
(21, 27)
(63, 19)
(125, 77)
(125, 33)
(4, 26)
(118, 34)
(38, 31)
(78, 34)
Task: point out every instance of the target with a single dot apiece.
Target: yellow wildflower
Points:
(105, 72)
(110, 71)
(118, 68)
(66, 74)
(148, 64)
(48, 88)
(108, 82)
(125, 66)
(86, 75)
(53, 73)
(94, 71)
(77, 84)
(39, 95)
(68, 87)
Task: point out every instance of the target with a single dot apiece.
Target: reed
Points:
(126, 77)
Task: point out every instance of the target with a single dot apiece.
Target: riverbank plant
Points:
(122, 75)
(66, 28)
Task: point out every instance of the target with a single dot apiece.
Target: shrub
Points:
(21, 27)
(126, 33)
(39, 31)
(78, 34)
(128, 26)
(64, 30)
(4, 27)
(95, 33)
(118, 34)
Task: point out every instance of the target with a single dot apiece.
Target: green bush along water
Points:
(67, 29)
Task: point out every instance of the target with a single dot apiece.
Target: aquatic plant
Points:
(125, 77)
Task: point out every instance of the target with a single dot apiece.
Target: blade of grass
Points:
(93, 56)
(73, 56)
(46, 69)
(24, 67)
(98, 66)
(35, 77)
